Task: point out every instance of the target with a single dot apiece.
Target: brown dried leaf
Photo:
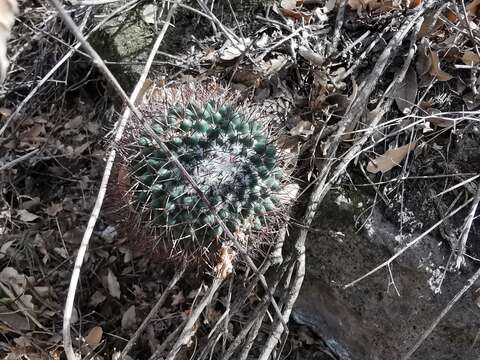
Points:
(129, 318)
(303, 129)
(94, 336)
(5, 112)
(297, 15)
(414, 3)
(431, 24)
(75, 123)
(470, 58)
(225, 264)
(15, 321)
(113, 285)
(438, 120)
(473, 8)
(435, 69)
(390, 159)
(97, 298)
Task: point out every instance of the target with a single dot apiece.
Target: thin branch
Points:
(19, 160)
(152, 312)
(188, 329)
(408, 246)
(444, 312)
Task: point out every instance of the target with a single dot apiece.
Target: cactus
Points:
(233, 161)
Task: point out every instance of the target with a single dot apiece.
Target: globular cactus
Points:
(232, 159)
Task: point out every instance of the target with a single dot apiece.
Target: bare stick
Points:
(408, 246)
(462, 242)
(152, 312)
(111, 158)
(444, 312)
(188, 330)
(290, 300)
(19, 160)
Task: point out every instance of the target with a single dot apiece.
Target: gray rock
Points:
(370, 320)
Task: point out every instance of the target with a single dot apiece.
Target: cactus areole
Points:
(232, 160)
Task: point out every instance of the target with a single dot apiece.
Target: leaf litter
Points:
(51, 195)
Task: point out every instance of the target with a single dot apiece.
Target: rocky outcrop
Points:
(384, 315)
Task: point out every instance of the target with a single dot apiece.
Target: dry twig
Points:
(152, 312)
(444, 312)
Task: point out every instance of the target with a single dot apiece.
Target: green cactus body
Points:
(232, 160)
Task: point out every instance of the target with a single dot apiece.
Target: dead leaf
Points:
(424, 61)
(62, 252)
(32, 203)
(361, 5)
(473, 8)
(435, 69)
(225, 264)
(113, 285)
(470, 58)
(94, 336)
(15, 321)
(178, 298)
(288, 4)
(330, 5)
(5, 247)
(358, 5)
(297, 15)
(25, 215)
(303, 129)
(414, 3)
(149, 13)
(274, 65)
(80, 149)
(431, 24)
(405, 93)
(471, 100)
(42, 291)
(5, 112)
(213, 315)
(439, 121)
(231, 51)
(390, 159)
(54, 209)
(75, 123)
(8, 10)
(129, 318)
(97, 298)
